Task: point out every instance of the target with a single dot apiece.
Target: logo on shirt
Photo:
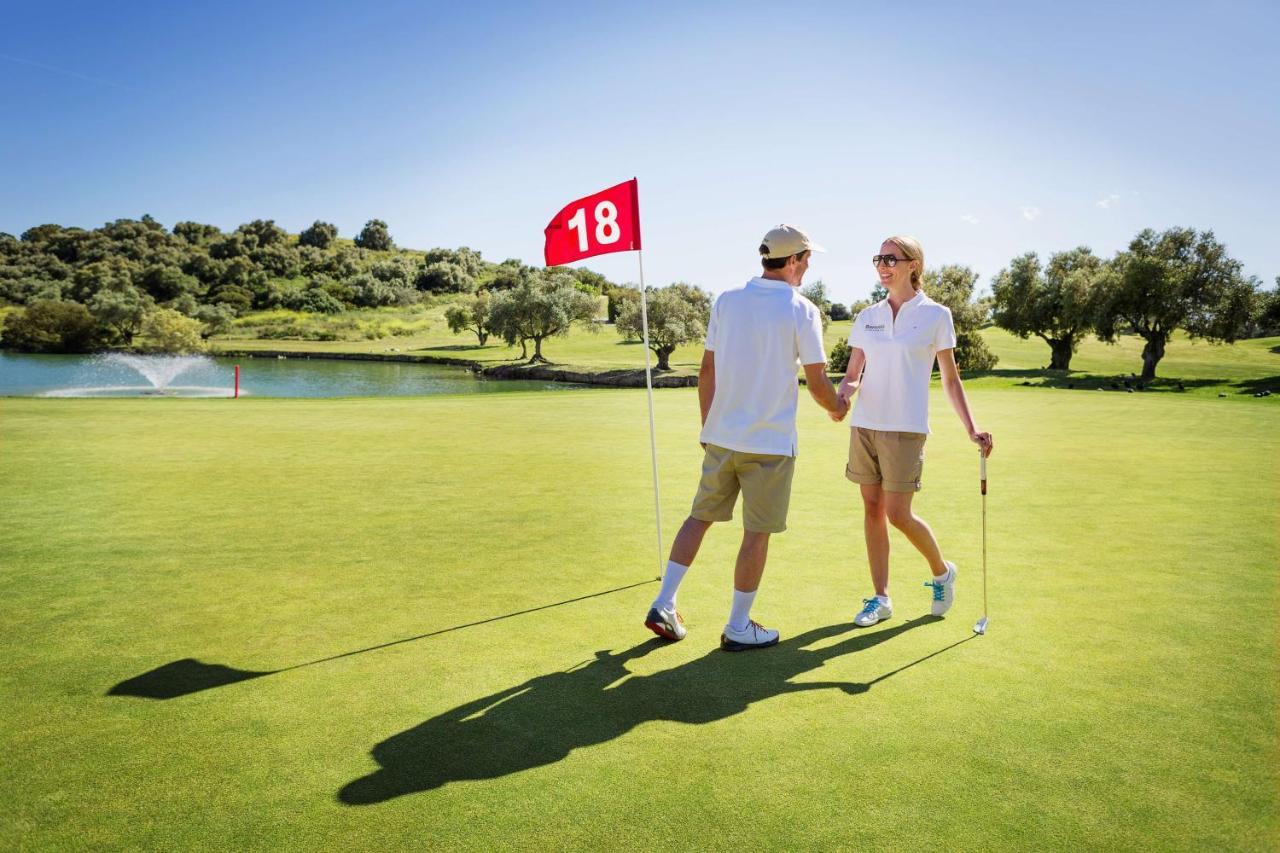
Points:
(873, 327)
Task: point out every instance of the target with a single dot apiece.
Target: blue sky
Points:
(982, 130)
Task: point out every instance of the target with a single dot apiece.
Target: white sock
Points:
(741, 612)
(885, 600)
(671, 578)
(944, 577)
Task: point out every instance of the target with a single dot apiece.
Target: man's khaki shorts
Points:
(893, 459)
(765, 482)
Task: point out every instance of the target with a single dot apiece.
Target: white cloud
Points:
(970, 218)
(1030, 213)
(1108, 202)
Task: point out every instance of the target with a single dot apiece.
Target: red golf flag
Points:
(608, 221)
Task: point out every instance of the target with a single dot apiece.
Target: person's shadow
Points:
(542, 720)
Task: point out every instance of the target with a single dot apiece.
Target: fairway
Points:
(428, 613)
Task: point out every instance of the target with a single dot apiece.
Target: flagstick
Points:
(653, 441)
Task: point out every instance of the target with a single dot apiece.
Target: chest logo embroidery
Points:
(877, 327)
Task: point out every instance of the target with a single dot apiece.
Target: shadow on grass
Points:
(1080, 381)
(1257, 386)
(542, 720)
(459, 348)
(188, 675)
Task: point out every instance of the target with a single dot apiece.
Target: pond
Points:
(118, 375)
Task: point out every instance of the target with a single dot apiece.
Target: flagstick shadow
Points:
(188, 675)
(542, 720)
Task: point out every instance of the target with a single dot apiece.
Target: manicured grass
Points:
(1124, 698)
(1205, 369)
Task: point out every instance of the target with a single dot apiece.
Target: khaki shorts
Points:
(894, 459)
(765, 482)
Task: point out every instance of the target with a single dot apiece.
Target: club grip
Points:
(982, 468)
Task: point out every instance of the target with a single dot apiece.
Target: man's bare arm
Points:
(706, 383)
(823, 392)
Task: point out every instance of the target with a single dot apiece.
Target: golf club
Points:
(981, 626)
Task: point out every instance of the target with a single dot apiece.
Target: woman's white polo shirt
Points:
(894, 393)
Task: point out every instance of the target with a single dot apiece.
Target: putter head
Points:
(981, 626)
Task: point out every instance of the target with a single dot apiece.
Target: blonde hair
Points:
(911, 247)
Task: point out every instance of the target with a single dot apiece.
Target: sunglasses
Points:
(889, 261)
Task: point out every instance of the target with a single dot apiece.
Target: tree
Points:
(618, 296)
(840, 311)
(444, 277)
(542, 306)
(471, 315)
(265, 232)
(952, 285)
(114, 273)
(320, 235)
(195, 233)
(214, 319)
(168, 331)
(121, 310)
(678, 314)
(375, 237)
(163, 283)
(590, 281)
(1056, 305)
(1267, 322)
(51, 325)
(817, 294)
(235, 297)
(508, 274)
(1180, 279)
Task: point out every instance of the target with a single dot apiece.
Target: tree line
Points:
(83, 289)
(79, 290)
(1163, 282)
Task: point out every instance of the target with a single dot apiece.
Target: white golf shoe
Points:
(874, 610)
(754, 636)
(665, 623)
(943, 590)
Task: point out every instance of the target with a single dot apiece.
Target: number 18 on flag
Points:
(608, 221)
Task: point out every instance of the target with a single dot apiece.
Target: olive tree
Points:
(1055, 304)
(543, 305)
(1179, 279)
(677, 314)
(473, 315)
(952, 285)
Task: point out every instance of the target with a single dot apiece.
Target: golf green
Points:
(386, 623)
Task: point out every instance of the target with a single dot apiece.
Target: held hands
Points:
(984, 441)
(843, 395)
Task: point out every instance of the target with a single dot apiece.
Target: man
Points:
(748, 395)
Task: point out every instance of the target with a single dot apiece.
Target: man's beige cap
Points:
(787, 240)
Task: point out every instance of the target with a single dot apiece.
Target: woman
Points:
(893, 346)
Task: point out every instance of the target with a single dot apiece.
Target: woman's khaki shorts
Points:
(894, 459)
(765, 482)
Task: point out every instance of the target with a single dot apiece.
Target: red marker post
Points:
(237, 382)
(604, 222)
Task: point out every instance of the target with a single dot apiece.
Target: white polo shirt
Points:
(760, 333)
(894, 394)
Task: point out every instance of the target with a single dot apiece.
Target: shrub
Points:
(838, 362)
(319, 235)
(49, 325)
(166, 330)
